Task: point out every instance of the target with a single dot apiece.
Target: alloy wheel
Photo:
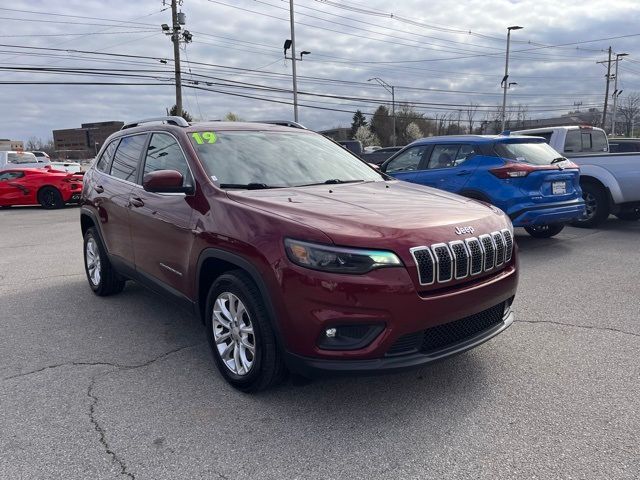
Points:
(591, 205)
(92, 256)
(233, 333)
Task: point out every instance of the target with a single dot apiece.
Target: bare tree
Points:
(521, 115)
(33, 143)
(471, 113)
(629, 111)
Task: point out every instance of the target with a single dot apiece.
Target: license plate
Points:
(559, 188)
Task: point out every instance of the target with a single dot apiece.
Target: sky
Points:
(439, 55)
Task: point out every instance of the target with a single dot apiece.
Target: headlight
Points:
(338, 259)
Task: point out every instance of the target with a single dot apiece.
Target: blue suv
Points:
(526, 178)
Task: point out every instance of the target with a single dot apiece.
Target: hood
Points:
(378, 214)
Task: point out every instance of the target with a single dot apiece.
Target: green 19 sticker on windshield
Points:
(204, 137)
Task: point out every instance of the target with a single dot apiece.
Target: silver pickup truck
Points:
(610, 182)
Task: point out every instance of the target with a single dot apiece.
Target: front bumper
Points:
(548, 214)
(315, 367)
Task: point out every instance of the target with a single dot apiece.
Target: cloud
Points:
(251, 36)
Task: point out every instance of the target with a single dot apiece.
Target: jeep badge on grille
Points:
(463, 230)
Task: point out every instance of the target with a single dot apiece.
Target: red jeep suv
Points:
(297, 255)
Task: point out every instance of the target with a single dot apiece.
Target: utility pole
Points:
(291, 44)
(616, 93)
(606, 92)
(293, 62)
(392, 90)
(505, 79)
(177, 19)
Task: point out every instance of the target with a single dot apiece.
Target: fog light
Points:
(348, 337)
(330, 332)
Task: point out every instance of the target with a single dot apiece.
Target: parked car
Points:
(302, 257)
(523, 176)
(610, 182)
(354, 146)
(44, 156)
(33, 186)
(15, 159)
(624, 145)
(70, 167)
(379, 156)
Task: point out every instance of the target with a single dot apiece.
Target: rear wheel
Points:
(596, 205)
(103, 278)
(240, 334)
(50, 198)
(629, 215)
(544, 231)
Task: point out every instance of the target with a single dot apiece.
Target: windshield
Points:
(242, 159)
(538, 153)
(18, 158)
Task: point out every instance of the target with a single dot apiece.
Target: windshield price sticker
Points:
(204, 137)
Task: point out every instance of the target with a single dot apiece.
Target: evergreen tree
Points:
(359, 120)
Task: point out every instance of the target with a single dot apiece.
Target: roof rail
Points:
(172, 120)
(283, 123)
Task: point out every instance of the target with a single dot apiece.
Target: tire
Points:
(231, 336)
(629, 215)
(544, 231)
(102, 277)
(50, 198)
(596, 203)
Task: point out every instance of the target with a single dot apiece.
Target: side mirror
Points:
(165, 181)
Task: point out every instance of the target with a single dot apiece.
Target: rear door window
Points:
(164, 153)
(106, 157)
(445, 156)
(127, 157)
(407, 161)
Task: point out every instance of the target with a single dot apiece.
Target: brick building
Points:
(84, 142)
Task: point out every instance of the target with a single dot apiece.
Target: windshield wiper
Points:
(331, 181)
(247, 186)
(559, 159)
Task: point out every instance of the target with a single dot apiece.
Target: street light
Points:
(392, 90)
(616, 93)
(505, 79)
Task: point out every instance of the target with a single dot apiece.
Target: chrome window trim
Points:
(493, 246)
(455, 259)
(435, 255)
(468, 241)
(433, 263)
(144, 161)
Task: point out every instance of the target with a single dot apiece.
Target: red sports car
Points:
(32, 186)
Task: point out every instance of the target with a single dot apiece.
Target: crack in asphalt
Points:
(98, 428)
(119, 366)
(587, 327)
(94, 403)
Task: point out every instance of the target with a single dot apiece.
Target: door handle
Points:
(99, 188)
(463, 172)
(136, 202)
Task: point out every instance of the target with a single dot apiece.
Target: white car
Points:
(12, 159)
(69, 167)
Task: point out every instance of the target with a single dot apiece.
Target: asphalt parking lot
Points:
(125, 387)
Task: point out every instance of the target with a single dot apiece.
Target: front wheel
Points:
(240, 334)
(544, 231)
